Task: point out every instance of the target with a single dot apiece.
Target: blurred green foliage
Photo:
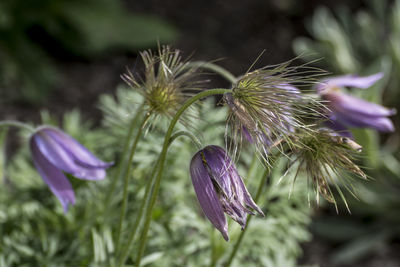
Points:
(364, 42)
(35, 232)
(32, 32)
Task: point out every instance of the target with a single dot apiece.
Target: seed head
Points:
(168, 81)
(328, 159)
(268, 107)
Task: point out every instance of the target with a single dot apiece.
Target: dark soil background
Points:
(234, 32)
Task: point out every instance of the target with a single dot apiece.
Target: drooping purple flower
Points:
(219, 188)
(349, 111)
(55, 152)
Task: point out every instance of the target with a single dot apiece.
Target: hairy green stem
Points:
(192, 137)
(126, 179)
(132, 234)
(153, 196)
(215, 68)
(239, 241)
(122, 165)
(10, 123)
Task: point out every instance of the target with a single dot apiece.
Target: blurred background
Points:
(60, 55)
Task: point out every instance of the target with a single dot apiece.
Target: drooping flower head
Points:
(55, 152)
(168, 81)
(219, 188)
(328, 159)
(267, 107)
(346, 111)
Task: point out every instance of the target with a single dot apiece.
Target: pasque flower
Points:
(266, 108)
(55, 152)
(219, 188)
(349, 111)
(168, 81)
(328, 159)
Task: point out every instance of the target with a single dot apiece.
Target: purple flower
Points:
(219, 188)
(54, 152)
(348, 111)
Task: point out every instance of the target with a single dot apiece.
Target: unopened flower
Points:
(269, 109)
(219, 188)
(346, 111)
(328, 159)
(55, 152)
(168, 81)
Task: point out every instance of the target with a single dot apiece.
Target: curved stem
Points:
(10, 123)
(215, 68)
(192, 137)
(122, 165)
(132, 234)
(124, 253)
(126, 180)
(153, 196)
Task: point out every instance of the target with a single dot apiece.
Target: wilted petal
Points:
(245, 195)
(76, 150)
(207, 196)
(53, 177)
(247, 135)
(350, 81)
(62, 159)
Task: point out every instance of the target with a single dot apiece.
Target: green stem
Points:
(213, 261)
(18, 124)
(239, 241)
(132, 234)
(153, 196)
(122, 164)
(126, 179)
(215, 68)
(135, 226)
(192, 137)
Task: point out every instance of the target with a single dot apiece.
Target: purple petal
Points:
(207, 196)
(350, 81)
(339, 128)
(79, 152)
(345, 103)
(381, 124)
(289, 88)
(53, 177)
(218, 162)
(247, 135)
(62, 159)
(244, 194)
(227, 177)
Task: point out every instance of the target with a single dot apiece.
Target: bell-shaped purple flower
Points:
(349, 111)
(53, 152)
(219, 188)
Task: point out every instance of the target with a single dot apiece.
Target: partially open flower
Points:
(266, 109)
(168, 81)
(53, 152)
(348, 111)
(219, 188)
(328, 160)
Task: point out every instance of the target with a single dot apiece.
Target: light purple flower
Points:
(53, 152)
(219, 188)
(349, 111)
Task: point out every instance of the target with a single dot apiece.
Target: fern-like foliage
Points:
(36, 232)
